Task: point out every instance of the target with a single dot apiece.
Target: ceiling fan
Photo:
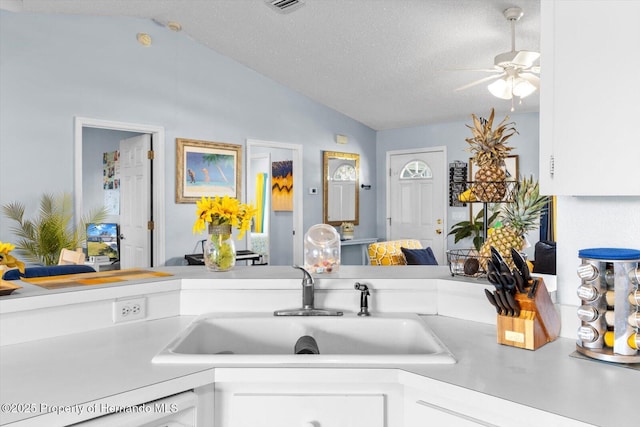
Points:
(515, 70)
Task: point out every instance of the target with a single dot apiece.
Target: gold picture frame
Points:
(205, 168)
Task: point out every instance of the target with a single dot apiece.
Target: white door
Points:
(135, 202)
(416, 206)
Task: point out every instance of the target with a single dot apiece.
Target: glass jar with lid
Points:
(322, 249)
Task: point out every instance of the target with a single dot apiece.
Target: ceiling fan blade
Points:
(526, 57)
(477, 82)
(534, 69)
(487, 70)
(531, 78)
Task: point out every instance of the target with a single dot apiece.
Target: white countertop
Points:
(346, 272)
(87, 367)
(549, 378)
(92, 366)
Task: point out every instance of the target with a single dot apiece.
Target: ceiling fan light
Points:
(500, 89)
(522, 88)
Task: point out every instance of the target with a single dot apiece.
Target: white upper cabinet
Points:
(590, 97)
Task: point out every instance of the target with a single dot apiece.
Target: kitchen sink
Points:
(263, 339)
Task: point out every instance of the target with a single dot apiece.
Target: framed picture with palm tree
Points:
(205, 168)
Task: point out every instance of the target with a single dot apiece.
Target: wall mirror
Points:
(341, 173)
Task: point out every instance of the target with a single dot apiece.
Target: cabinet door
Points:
(424, 414)
(433, 403)
(588, 97)
(177, 410)
(307, 410)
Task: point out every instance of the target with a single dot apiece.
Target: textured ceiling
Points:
(385, 63)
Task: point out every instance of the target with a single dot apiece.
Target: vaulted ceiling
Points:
(385, 63)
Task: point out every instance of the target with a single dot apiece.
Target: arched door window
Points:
(344, 172)
(416, 169)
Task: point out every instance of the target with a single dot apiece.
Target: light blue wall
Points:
(53, 68)
(452, 135)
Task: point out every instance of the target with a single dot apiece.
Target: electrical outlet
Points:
(129, 309)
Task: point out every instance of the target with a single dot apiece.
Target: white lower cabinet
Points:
(422, 409)
(323, 397)
(319, 397)
(429, 402)
(423, 413)
(307, 398)
(173, 411)
(317, 410)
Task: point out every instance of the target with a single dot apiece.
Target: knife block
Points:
(537, 324)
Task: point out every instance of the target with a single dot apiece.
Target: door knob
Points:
(121, 236)
(439, 231)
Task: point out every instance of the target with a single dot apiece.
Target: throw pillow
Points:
(419, 256)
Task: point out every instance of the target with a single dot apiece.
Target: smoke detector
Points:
(284, 6)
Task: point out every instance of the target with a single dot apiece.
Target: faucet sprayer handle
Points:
(364, 293)
(361, 287)
(308, 279)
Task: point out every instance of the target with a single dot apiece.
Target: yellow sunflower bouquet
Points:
(219, 215)
(9, 261)
(222, 211)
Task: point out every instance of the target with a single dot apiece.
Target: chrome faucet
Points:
(308, 308)
(308, 288)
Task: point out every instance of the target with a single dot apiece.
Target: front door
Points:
(135, 202)
(416, 198)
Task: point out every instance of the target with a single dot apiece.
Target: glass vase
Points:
(219, 249)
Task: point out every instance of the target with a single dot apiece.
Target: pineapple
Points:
(489, 151)
(518, 218)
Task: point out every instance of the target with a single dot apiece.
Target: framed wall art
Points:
(206, 168)
(282, 185)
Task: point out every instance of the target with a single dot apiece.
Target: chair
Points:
(69, 257)
(545, 257)
(389, 253)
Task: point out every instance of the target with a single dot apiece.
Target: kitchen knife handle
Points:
(519, 281)
(513, 303)
(493, 301)
(534, 288)
(503, 299)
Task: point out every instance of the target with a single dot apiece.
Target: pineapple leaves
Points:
(524, 212)
(488, 145)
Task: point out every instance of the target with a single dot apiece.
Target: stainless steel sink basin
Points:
(264, 339)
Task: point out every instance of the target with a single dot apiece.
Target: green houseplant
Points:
(42, 239)
(474, 229)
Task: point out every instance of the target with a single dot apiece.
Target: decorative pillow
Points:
(419, 256)
(55, 270)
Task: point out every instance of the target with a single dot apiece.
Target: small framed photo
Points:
(205, 168)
